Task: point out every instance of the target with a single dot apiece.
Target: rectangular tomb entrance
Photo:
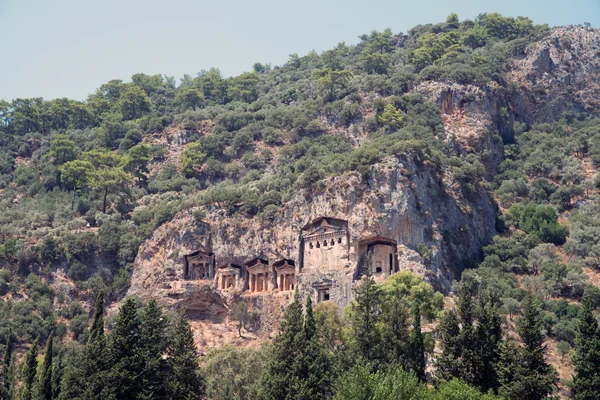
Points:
(199, 265)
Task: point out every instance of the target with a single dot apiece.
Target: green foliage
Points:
(586, 380)
(233, 373)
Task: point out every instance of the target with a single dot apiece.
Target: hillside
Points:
(467, 150)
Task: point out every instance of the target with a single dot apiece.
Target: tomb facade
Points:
(285, 272)
(324, 245)
(229, 276)
(199, 265)
(383, 253)
(259, 275)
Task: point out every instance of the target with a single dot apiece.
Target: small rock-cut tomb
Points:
(285, 271)
(259, 275)
(199, 265)
(229, 276)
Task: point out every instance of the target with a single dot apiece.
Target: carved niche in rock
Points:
(384, 256)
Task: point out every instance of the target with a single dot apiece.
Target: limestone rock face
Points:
(399, 200)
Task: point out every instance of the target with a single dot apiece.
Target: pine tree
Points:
(396, 336)
(154, 345)
(186, 382)
(46, 376)
(30, 370)
(586, 381)
(365, 320)
(125, 357)
(314, 368)
(417, 344)
(279, 380)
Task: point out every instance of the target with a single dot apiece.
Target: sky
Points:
(67, 48)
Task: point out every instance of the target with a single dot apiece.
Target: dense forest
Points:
(81, 189)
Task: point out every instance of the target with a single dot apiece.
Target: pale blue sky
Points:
(67, 48)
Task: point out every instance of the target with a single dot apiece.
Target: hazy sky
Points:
(67, 48)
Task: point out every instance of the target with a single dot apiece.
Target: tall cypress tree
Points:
(314, 369)
(469, 361)
(7, 377)
(417, 344)
(30, 370)
(447, 364)
(528, 376)
(96, 362)
(125, 354)
(586, 381)
(396, 332)
(279, 380)
(46, 376)
(154, 345)
(488, 335)
(186, 381)
(366, 314)
(57, 373)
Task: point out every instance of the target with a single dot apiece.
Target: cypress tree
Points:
(526, 375)
(586, 381)
(366, 314)
(30, 370)
(417, 344)
(46, 376)
(279, 380)
(488, 335)
(186, 382)
(7, 377)
(154, 345)
(57, 373)
(447, 364)
(96, 357)
(396, 336)
(315, 364)
(125, 354)
(469, 362)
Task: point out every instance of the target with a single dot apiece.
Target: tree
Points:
(125, 358)
(62, 149)
(109, 180)
(137, 161)
(186, 382)
(448, 362)
(586, 380)
(46, 375)
(57, 374)
(488, 335)
(76, 175)
(332, 81)
(133, 102)
(192, 159)
(329, 324)
(153, 325)
(523, 371)
(365, 317)
(396, 332)
(280, 380)
(417, 345)
(313, 366)
(241, 315)
(189, 97)
(30, 371)
(7, 365)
